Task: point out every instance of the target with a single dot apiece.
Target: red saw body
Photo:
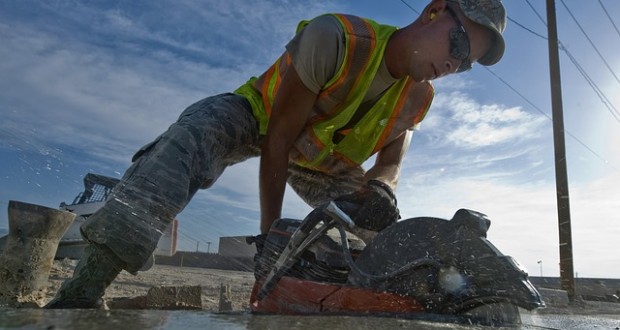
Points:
(416, 266)
(296, 296)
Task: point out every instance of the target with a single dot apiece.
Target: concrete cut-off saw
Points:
(423, 267)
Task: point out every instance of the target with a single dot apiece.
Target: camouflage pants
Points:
(209, 136)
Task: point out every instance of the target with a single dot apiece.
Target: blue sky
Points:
(84, 84)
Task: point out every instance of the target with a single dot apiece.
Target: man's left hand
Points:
(374, 206)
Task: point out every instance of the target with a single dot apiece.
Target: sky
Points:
(84, 84)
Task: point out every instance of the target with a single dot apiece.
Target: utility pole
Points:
(567, 278)
(208, 246)
(197, 244)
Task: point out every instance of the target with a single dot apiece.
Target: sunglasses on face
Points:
(459, 43)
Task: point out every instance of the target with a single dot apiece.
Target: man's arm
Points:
(291, 107)
(387, 163)
(373, 206)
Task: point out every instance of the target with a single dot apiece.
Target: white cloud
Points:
(524, 218)
(475, 125)
(112, 90)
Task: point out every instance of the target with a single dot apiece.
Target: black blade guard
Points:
(471, 272)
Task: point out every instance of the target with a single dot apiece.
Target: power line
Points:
(604, 99)
(550, 118)
(537, 14)
(589, 80)
(593, 85)
(527, 29)
(609, 16)
(591, 42)
(518, 93)
(608, 104)
(187, 236)
(408, 5)
(583, 72)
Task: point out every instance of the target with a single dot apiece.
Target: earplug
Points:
(432, 16)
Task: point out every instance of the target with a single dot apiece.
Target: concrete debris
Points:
(28, 252)
(174, 297)
(162, 297)
(225, 298)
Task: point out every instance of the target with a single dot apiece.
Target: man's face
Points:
(460, 47)
(452, 43)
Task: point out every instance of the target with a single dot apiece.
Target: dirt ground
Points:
(240, 283)
(130, 286)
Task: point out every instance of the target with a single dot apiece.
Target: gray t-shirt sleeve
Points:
(317, 51)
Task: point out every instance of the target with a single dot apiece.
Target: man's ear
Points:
(432, 10)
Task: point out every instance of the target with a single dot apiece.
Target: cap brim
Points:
(496, 52)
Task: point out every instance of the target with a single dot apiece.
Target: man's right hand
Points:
(260, 270)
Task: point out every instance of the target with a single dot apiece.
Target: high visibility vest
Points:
(401, 106)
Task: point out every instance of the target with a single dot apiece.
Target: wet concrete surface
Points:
(11, 318)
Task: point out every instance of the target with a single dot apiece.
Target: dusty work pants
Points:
(209, 136)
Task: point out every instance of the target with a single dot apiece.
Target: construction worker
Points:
(345, 88)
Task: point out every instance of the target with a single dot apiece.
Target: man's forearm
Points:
(291, 108)
(272, 183)
(388, 174)
(388, 163)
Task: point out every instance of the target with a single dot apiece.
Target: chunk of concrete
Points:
(225, 304)
(138, 302)
(174, 297)
(28, 254)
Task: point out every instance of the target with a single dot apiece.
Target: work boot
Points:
(97, 268)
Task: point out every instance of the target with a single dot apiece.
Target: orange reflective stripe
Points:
(430, 94)
(319, 147)
(265, 89)
(354, 50)
(272, 80)
(345, 131)
(347, 61)
(404, 95)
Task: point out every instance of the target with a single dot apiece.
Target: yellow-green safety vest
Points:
(402, 106)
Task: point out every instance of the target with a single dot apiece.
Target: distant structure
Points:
(235, 246)
(97, 188)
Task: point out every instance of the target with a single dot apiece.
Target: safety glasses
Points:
(459, 43)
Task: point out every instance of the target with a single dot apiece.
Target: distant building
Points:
(236, 246)
(97, 189)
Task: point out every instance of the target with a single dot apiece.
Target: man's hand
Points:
(260, 269)
(374, 206)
